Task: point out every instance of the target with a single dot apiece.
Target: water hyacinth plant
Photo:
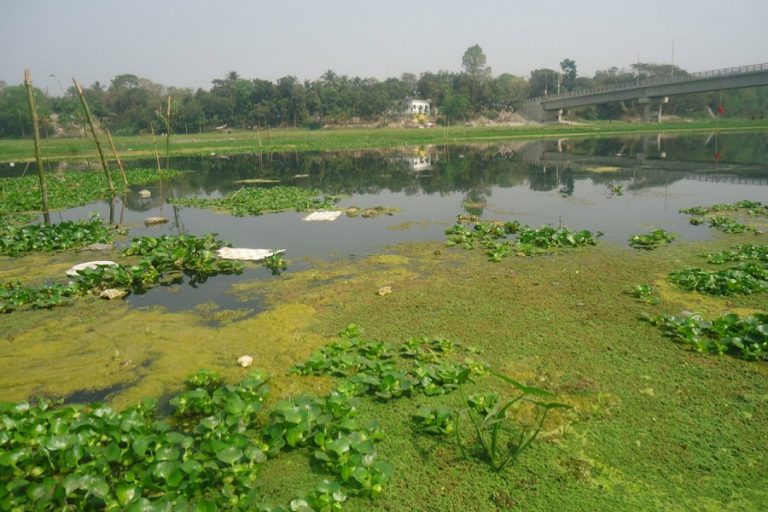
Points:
(19, 195)
(742, 279)
(18, 240)
(207, 456)
(494, 237)
(163, 261)
(652, 240)
(259, 200)
(699, 214)
(746, 338)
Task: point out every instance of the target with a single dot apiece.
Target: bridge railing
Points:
(645, 82)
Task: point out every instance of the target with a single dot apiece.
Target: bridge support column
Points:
(646, 103)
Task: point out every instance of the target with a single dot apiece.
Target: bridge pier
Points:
(647, 103)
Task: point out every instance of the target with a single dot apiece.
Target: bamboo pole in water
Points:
(95, 135)
(154, 143)
(38, 157)
(168, 135)
(117, 157)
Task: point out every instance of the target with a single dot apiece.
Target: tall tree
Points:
(473, 63)
(508, 92)
(568, 66)
(543, 82)
(456, 106)
(14, 111)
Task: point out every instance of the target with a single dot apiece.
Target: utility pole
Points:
(672, 69)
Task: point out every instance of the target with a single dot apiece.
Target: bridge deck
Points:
(728, 78)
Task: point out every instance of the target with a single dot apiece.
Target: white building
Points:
(414, 106)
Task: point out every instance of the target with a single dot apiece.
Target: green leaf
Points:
(191, 467)
(205, 506)
(165, 469)
(126, 493)
(229, 455)
(112, 452)
(59, 442)
(141, 445)
(96, 487)
(167, 453)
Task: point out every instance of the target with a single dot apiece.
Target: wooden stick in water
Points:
(38, 157)
(95, 136)
(117, 157)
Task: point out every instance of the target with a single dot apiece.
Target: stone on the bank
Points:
(152, 221)
(100, 247)
(113, 293)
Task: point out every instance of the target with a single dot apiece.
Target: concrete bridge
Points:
(649, 93)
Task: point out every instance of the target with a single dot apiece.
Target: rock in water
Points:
(152, 221)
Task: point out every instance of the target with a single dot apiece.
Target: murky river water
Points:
(617, 186)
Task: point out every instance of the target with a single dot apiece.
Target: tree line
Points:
(131, 104)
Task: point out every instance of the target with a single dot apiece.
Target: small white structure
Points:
(415, 106)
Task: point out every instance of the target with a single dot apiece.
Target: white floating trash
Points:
(243, 254)
(322, 216)
(72, 272)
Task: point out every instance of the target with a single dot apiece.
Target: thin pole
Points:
(154, 143)
(38, 158)
(168, 135)
(117, 157)
(95, 136)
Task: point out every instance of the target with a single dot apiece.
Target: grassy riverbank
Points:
(654, 425)
(343, 139)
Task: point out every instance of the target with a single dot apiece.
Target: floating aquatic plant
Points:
(652, 240)
(742, 279)
(18, 240)
(746, 338)
(495, 238)
(259, 200)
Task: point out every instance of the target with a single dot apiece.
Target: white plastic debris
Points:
(72, 272)
(144, 193)
(326, 216)
(239, 253)
(245, 361)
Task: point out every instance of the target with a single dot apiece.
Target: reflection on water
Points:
(619, 186)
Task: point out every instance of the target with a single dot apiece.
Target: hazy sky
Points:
(188, 43)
